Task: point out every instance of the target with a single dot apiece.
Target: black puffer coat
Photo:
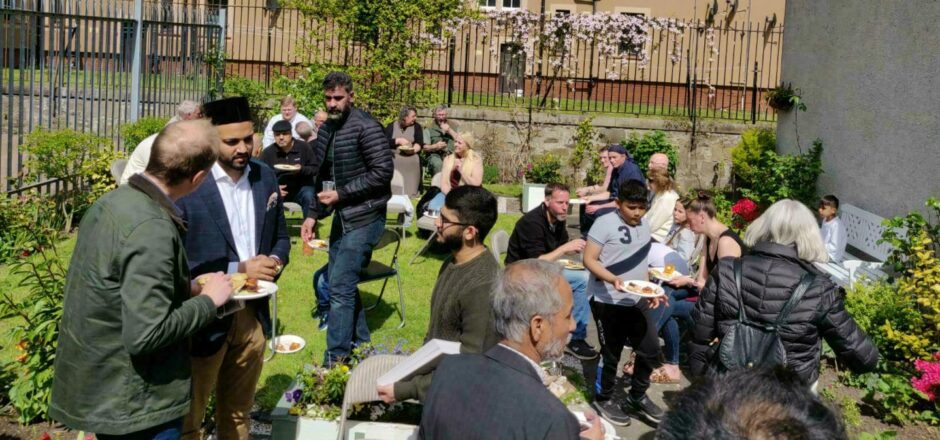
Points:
(770, 274)
(362, 168)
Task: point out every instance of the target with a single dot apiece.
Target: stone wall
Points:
(704, 165)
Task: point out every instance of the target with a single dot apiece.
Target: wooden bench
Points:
(862, 232)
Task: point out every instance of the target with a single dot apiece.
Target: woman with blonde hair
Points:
(463, 167)
(784, 243)
(659, 216)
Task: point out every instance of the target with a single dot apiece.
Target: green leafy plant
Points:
(36, 316)
(490, 174)
(850, 412)
(747, 154)
(880, 435)
(81, 161)
(899, 231)
(643, 147)
(306, 87)
(784, 97)
(777, 177)
(134, 132)
(545, 169)
(583, 149)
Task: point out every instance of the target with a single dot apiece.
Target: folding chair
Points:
(499, 244)
(380, 271)
(426, 223)
(360, 388)
(396, 205)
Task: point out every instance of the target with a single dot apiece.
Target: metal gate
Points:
(68, 64)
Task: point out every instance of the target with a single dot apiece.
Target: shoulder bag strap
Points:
(738, 294)
(805, 281)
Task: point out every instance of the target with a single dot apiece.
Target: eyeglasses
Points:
(445, 221)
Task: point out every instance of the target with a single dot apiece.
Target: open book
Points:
(422, 361)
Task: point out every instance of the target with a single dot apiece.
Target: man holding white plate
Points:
(623, 300)
(236, 224)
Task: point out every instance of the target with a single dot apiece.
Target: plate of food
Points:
(665, 273)
(286, 167)
(571, 264)
(643, 289)
(286, 344)
(406, 148)
(246, 288)
(321, 245)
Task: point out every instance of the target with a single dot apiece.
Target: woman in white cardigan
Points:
(659, 216)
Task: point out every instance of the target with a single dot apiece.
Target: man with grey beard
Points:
(500, 394)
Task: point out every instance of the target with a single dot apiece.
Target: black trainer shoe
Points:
(581, 349)
(644, 407)
(324, 321)
(611, 411)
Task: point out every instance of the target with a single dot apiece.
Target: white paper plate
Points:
(576, 202)
(609, 432)
(282, 343)
(319, 245)
(265, 288)
(286, 167)
(657, 272)
(641, 284)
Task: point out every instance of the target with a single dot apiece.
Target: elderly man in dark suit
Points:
(500, 394)
(236, 224)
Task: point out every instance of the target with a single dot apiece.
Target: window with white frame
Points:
(503, 4)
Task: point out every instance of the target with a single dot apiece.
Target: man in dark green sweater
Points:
(461, 310)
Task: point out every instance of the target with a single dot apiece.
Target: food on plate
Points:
(641, 289)
(286, 167)
(318, 244)
(571, 264)
(241, 284)
(293, 346)
(669, 269)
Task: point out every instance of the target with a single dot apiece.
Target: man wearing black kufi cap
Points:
(236, 224)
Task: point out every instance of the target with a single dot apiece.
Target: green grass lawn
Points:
(505, 189)
(296, 302)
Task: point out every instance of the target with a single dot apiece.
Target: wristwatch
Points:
(280, 265)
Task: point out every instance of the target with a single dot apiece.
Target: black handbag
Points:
(751, 344)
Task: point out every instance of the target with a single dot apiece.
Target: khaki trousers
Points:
(233, 373)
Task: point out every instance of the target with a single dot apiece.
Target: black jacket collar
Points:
(512, 360)
(789, 253)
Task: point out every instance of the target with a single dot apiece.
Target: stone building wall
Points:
(704, 165)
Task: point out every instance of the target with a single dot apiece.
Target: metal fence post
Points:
(138, 55)
(450, 71)
(754, 97)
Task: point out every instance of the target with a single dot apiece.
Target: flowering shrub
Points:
(744, 212)
(929, 380)
(545, 169)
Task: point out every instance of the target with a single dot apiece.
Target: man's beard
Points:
(554, 350)
(336, 115)
(453, 243)
(236, 166)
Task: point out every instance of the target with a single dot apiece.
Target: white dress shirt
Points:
(240, 211)
(833, 235)
(268, 138)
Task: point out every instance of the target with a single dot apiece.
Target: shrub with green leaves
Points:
(253, 91)
(747, 154)
(776, 177)
(82, 161)
(134, 132)
(306, 87)
(912, 225)
(545, 169)
(584, 148)
(643, 147)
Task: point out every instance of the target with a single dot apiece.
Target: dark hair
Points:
(829, 200)
(758, 403)
(702, 201)
(337, 79)
(405, 111)
(552, 187)
(475, 207)
(603, 149)
(633, 191)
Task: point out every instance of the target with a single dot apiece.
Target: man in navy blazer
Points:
(235, 223)
(500, 393)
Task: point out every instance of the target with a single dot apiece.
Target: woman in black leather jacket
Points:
(784, 243)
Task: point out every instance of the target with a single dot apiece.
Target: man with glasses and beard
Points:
(500, 394)
(460, 302)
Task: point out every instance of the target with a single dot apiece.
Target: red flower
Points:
(746, 209)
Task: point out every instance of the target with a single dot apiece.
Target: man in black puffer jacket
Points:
(352, 152)
(770, 274)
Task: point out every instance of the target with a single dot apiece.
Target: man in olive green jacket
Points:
(122, 364)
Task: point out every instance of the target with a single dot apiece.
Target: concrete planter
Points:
(285, 426)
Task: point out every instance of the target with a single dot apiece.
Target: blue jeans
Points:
(304, 197)
(678, 308)
(321, 288)
(168, 431)
(578, 279)
(350, 252)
